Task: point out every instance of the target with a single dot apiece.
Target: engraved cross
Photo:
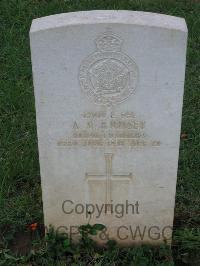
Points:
(108, 177)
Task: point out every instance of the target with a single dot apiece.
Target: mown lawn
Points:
(20, 193)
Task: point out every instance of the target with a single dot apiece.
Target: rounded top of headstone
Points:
(109, 16)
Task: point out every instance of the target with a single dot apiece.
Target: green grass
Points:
(20, 195)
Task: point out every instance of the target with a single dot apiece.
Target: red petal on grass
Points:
(33, 226)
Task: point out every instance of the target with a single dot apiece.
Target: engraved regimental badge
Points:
(108, 76)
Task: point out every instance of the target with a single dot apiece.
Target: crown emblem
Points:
(108, 42)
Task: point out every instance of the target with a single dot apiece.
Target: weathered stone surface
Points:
(108, 89)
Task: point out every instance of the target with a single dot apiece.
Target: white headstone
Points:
(109, 90)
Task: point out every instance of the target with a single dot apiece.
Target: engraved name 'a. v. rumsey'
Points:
(108, 76)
